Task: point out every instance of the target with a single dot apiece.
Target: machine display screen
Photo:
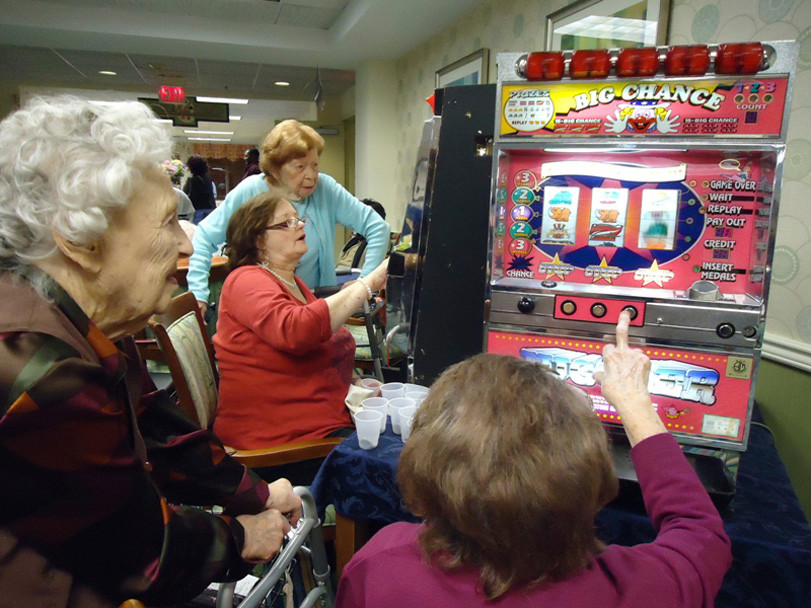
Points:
(658, 220)
(700, 396)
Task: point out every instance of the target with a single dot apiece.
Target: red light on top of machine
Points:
(746, 58)
(590, 64)
(545, 66)
(687, 60)
(431, 101)
(637, 62)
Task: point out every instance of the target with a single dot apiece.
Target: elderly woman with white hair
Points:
(93, 460)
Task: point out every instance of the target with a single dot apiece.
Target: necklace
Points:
(290, 284)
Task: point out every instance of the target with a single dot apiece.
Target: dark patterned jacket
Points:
(89, 499)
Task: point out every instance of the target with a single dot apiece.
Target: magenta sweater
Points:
(683, 567)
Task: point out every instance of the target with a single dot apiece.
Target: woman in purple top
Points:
(508, 466)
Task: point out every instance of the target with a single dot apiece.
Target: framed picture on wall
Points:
(602, 24)
(471, 69)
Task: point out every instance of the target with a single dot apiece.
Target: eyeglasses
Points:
(293, 222)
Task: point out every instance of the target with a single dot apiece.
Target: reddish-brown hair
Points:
(246, 225)
(288, 140)
(508, 465)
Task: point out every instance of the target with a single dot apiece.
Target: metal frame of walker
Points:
(308, 529)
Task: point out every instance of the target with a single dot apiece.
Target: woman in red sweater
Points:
(508, 466)
(285, 359)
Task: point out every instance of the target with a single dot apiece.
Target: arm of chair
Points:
(285, 454)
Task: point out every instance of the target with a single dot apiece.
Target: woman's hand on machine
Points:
(343, 304)
(624, 382)
(376, 280)
(625, 371)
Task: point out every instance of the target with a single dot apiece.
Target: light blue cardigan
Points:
(328, 205)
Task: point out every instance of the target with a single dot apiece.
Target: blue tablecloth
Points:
(771, 539)
(361, 483)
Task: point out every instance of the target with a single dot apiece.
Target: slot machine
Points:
(437, 273)
(646, 180)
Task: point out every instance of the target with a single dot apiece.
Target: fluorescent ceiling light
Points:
(232, 117)
(209, 139)
(196, 132)
(222, 100)
(108, 73)
(282, 83)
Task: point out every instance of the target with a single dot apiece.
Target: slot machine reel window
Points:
(658, 220)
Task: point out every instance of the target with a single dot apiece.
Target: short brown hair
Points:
(288, 140)
(246, 226)
(508, 467)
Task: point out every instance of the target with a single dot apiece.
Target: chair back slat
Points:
(186, 346)
(190, 346)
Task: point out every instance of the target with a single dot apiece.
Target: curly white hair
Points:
(65, 165)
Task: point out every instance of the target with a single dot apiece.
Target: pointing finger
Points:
(622, 329)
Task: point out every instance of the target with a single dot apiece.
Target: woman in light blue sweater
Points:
(289, 163)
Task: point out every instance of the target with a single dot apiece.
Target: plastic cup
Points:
(417, 396)
(394, 411)
(405, 426)
(410, 386)
(406, 413)
(377, 404)
(367, 424)
(392, 390)
(372, 384)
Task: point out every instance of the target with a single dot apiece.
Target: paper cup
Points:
(405, 426)
(377, 404)
(394, 411)
(410, 386)
(372, 384)
(417, 396)
(406, 414)
(392, 390)
(367, 424)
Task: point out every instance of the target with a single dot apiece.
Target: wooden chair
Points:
(367, 330)
(372, 353)
(189, 354)
(186, 348)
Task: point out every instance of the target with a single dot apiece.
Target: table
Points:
(219, 270)
(771, 538)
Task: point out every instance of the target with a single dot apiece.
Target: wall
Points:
(332, 161)
(782, 394)
(782, 390)
(375, 156)
(700, 21)
(498, 25)
(9, 97)
(519, 25)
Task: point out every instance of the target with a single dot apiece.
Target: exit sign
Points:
(188, 112)
(171, 93)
